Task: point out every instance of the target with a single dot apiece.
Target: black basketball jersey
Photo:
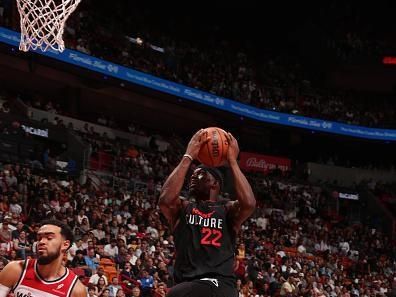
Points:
(205, 242)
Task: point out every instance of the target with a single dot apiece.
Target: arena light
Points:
(157, 48)
(139, 41)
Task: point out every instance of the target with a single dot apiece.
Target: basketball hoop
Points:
(42, 23)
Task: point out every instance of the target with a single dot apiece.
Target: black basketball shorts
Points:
(205, 287)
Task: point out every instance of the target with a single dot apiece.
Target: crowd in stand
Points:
(352, 38)
(220, 66)
(290, 247)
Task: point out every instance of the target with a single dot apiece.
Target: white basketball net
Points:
(42, 23)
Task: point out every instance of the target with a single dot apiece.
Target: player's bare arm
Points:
(242, 209)
(169, 200)
(9, 276)
(79, 290)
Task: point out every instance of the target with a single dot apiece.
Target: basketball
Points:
(214, 152)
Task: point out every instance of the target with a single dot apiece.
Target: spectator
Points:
(114, 286)
(241, 252)
(344, 246)
(84, 240)
(99, 274)
(111, 249)
(3, 263)
(13, 256)
(105, 293)
(79, 261)
(4, 204)
(136, 292)
(84, 226)
(127, 275)
(15, 207)
(98, 232)
(76, 246)
(5, 233)
(101, 286)
(92, 261)
(152, 231)
(3, 255)
(147, 283)
(288, 287)
(11, 179)
(22, 246)
(19, 228)
(160, 291)
(81, 215)
(91, 291)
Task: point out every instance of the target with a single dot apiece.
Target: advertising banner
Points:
(263, 163)
(349, 196)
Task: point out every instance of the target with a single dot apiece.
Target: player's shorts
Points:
(205, 287)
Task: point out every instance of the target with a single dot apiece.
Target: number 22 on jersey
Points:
(211, 237)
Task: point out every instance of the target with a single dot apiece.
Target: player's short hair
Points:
(66, 231)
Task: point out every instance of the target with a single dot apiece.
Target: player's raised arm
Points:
(246, 204)
(169, 200)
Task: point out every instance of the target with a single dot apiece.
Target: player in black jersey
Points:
(205, 228)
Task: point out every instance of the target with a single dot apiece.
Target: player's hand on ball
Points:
(233, 148)
(196, 142)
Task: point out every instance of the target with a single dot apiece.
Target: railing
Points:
(138, 140)
(107, 180)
